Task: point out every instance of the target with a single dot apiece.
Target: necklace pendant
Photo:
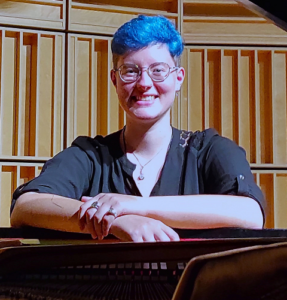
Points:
(141, 177)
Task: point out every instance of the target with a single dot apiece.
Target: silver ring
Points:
(113, 212)
(95, 205)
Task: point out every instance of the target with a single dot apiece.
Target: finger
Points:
(82, 214)
(171, 233)
(137, 238)
(161, 236)
(86, 198)
(86, 205)
(102, 211)
(149, 237)
(90, 223)
(106, 224)
(97, 228)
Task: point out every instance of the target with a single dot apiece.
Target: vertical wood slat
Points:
(21, 113)
(227, 90)
(280, 205)
(206, 91)
(1, 88)
(37, 96)
(8, 78)
(265, 97)
(8, 182)
(279, 110)
(45, 99)
(55, 94)
(214, 87)
(246, 112)
(257, 109)
(71, 77)
(93, 79)
(75, 87)
(113, 104)
(101, 47)
(184, 100)
(267, 187)
(195, 88)
(180, 16)
(83, 97)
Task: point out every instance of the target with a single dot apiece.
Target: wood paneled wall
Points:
(55, 61)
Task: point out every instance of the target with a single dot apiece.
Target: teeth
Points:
(147, 98)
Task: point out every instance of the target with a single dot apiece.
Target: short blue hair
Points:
(145, 31)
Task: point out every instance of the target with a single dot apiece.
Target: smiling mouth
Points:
(144, 98)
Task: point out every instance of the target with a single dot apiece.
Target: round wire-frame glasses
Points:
(157, 72)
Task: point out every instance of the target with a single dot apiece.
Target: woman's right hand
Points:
(142, 229)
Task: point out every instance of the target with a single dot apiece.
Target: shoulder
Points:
(209, 141)
(92, 146)
(198, 140)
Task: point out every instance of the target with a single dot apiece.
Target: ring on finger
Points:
(95, 205)
(113, 212)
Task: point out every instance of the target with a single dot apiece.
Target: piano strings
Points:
(124, 281)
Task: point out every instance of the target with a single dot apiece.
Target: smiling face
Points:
(147, 100)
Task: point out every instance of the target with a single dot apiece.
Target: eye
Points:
(157, 70)
(130, 70)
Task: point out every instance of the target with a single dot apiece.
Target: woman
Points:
(146, 180)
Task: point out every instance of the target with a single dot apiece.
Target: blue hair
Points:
(145, 31)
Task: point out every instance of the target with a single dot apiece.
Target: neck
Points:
(147, 139)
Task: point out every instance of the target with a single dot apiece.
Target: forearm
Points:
(201, 211)
(46, 211)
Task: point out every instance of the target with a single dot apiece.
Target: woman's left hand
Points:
(97, 213)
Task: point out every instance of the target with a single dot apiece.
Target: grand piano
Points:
(241, 264)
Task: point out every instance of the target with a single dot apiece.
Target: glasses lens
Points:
(129, 73)
(158, 71)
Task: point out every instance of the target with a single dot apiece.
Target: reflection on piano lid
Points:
(274, 10)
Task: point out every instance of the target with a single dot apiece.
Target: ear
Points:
(113, 77)
(179, 78)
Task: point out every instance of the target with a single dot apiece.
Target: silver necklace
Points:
(141, 175)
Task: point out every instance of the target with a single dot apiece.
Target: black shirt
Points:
(196, 163)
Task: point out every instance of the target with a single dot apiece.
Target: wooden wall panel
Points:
(279, 112)
(273, 184)
(246, 103)
(227, 22)
(41, 14)
(8, 182)
(32, 93)
(239, 92)
(11, 176)
(105, 17)
(93, 106)
(264, 79)
(280, 201)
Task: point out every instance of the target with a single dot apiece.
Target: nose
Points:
(144, 82)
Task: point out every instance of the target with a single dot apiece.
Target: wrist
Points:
(135, 207)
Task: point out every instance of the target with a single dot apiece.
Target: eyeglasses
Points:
(157, 72)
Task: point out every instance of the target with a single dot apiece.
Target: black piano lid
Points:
(274, 10)
(215, 233)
